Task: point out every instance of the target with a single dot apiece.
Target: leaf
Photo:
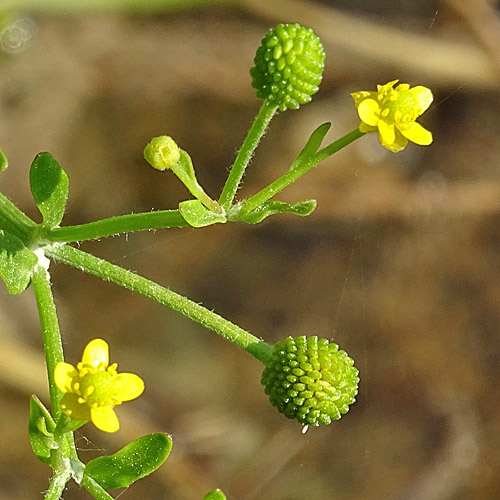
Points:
(3, 161)
(40, 428)
(16, 263)
(215, 495)
(135, 461)
(268, 208)
(196, 215)
(49, 186)
(312, 145)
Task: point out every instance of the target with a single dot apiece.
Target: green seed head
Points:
(310, 380)
(288, 66)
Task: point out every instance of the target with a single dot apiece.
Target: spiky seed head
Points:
(310, 380)
(289, 66)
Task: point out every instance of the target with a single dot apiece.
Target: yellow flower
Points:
(93, 388)
(393, 111)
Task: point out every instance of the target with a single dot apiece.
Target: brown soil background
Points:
(399, 264)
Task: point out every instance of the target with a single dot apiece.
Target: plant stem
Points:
(95, 489)
(251, 141)
(14, 221)
(104, 269)
(50, 332)
(116, 225)
(57, 485)
(292, 175)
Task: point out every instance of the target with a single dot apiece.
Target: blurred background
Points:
(399, 264)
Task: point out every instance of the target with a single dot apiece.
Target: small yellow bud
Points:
(162, 152)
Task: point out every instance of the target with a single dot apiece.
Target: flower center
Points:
(98, 389)
(398, 106)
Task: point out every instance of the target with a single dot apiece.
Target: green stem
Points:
(267, 111)
(95, 489)
(57, 485)
(14, 221)
(50, 332)
(99, 267)
(116, 225)
(292, 175)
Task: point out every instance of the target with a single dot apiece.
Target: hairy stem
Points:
(50, 332)
(267, 111)
(57, 485)
(104, 269)
(117, 225)
(14, 221)
(292, 175)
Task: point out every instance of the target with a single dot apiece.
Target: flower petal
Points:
(383, 89)
(368, 111)
(362, 95)
(72, 408)
(64, 374)
(105, 419)
(423, 97)
(386, 132)
(399, 143)
(418, 134)
(96, 354)
(129, 386)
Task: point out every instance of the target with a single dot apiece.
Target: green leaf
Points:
(312, 145)
(41, 427)
(215, 495)
(3, 161)
(268, 208)
(196, 215)
(16, 263)
(135, 461)
(50, 186)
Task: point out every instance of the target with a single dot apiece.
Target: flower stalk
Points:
(110, 272)
(259, 126)
(292, 175)
(50, 332)
(117, 225)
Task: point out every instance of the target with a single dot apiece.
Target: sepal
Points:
(67, 424)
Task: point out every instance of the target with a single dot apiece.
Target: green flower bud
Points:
(310, 380)
(162, 152)
(289, 66)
